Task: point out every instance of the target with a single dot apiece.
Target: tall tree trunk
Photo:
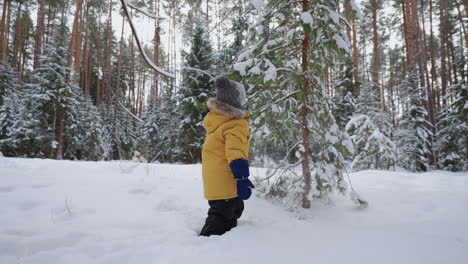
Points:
(60, 131)
(453, 61)
(62, 111)
(355, 60)
(109, 56)
(433, 63)
(84, 78)
(305, 111)
(3, 30)
(17, 38)
(39, 33)
(78, 42)
(117, 93)
(157, 41)
(418, 44)
(376, 61)
(462, 24)
(406, 29)
(429, 90)
(443, 49)
(352, 19)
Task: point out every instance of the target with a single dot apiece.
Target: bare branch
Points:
(132, 6)
(143, 53)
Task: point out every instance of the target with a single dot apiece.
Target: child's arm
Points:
(237, 154)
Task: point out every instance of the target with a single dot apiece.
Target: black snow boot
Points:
(222, 216)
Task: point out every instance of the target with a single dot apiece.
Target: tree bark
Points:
(17, 38)
(62, 111)
(460, 17)
(355, 60)
(433, 64)
(376, 61)
(108, 79)
(443, 47)
(39, 33)
(60, 131)
(3, 30)
(78, 42)
(305, 111)
(157, 41)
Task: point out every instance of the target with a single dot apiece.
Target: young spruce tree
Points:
(414, 130)
(452, 134)
(294, 44)
(192, 96)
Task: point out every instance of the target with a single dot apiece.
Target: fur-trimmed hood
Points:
(226, 109)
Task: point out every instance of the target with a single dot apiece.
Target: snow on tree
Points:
(452, 134)
(369, 128)
(192, 96)
(10, 106)
(87, 137)
(414, 132)
(293, 45)
(344, 100)
(158, 140)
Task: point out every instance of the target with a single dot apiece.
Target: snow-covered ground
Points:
(123, 212)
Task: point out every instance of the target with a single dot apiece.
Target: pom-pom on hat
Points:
(230, 92)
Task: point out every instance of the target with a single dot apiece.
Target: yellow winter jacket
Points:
(227, 139)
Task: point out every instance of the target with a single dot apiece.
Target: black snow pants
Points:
(222, 216)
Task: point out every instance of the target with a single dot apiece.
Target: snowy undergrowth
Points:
(122, 212)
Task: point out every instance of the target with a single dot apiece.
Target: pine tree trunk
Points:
(406, 29)
(157, 40)
(355, 60)
(100, 67)
(109, 57)
(78, 42)
(443, 55)
(418, 42)
(429, 90)
(39, 33)
(116, 95)
(462, 24)
(84, 82)
(17, 38)
(3, 30)
(60, 131)
(433, 64)
(305, 111)
(62, 111)
(376, 61)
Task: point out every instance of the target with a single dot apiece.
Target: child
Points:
(225, 153)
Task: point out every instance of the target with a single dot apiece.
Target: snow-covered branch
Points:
(132, 6)
(277, 101)
(198, 70)
(140, 48)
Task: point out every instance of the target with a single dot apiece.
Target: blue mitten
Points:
(240, 170)
(244, 188)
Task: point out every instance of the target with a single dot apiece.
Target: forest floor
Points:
(123, 212)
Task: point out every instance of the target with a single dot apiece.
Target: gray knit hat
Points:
(230, 92)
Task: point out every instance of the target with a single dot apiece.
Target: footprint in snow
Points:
(39, 186)
(7, 189)
(20, 232)
(140, 191)
(28, 205)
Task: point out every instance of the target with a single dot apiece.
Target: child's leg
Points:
(222, 216)
(238, 207)
(219, 218)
